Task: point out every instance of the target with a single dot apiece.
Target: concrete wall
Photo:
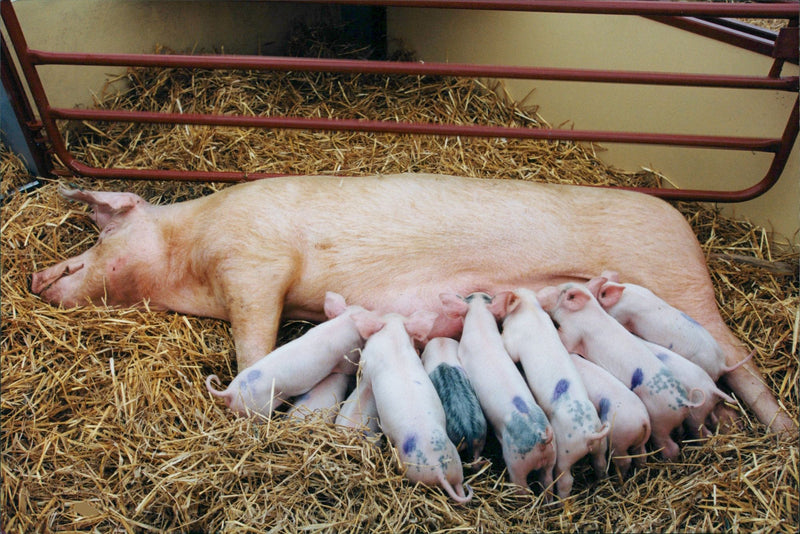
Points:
(630, 43)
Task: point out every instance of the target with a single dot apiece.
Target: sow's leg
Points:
(671, 263)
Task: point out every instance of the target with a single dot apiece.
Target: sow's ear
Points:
(105, 205)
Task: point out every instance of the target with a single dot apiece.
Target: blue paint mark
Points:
(690, 319)
(253, 375)
(637, 378)
(605, 406)
(520, 404)
(410, 444)
(662, 356)
(561, 387)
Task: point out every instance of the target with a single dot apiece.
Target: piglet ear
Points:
(612, 276)
(576, 298)
(454, 306)
(367, 323)
(419, 324)
(595, 284)
(334, 305)
(548, 298)
(106, 205)
(610, 294)
(503, 303)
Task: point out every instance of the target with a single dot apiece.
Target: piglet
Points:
(359, 410)
(648, 316)
(297, 366)
(466, 424)
(693, 378)
(324, 397)
(410, 412)
(621, 408)
(586, 329)
(519, 423)
(532, 340)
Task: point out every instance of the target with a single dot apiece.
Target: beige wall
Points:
(137, 26)
(629, 43)
(588, 41)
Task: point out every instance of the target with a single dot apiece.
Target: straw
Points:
(106, 423)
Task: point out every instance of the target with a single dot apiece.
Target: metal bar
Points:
(770, 178)
(781, 147)
(302, 123)
(23, 111)
(39, 57)
(35, 86)
(602, 7)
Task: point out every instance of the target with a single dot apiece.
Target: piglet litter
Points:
(106, 424)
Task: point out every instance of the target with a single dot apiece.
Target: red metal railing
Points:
(783, 48)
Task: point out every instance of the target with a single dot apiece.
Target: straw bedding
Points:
(106, 424)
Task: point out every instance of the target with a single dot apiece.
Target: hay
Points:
(106, 424)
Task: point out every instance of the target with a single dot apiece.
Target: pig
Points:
(525, 434)
(622, 408)
(410, 412)
(645, 314)
(359, 411)
(531, 339)
(466, 424)
(260, 251)
(586, 329)
(297, 366)
(694, 378)
(324, 397)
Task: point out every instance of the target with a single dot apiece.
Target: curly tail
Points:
(459, 497)
(211, 388)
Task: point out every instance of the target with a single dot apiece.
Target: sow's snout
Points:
(63, 283)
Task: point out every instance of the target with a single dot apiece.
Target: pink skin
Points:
(296, 367)
(258, 252)
(693, 378)
(586, 329)
(649, 317)
(359, 410)
(410, 412)
(531, 338)
(622, 408)
(519, 423)
(325, 396)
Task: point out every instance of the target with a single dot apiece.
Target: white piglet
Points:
(586, 329)
(532, 340)
(519, 423)
(648, 316)
(693, 378)
(296, 367)
(323, 398)
(622, 409)
(410, 412)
